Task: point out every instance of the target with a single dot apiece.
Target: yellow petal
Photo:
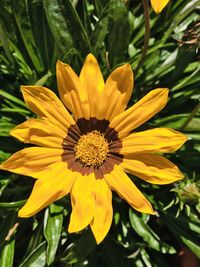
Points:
(93, 83)
(55, 185)
(103, 212)
(82, 199)
(39, 132)
(71, 91)
(159, 140)
(158, 5)
(33, 161)
(46, 105)
(152, 168)
(117, 92)
(139, 113)
(120, 182)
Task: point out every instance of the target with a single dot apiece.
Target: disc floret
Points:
(92, 149)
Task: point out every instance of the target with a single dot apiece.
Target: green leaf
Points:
(98, 36)
(144, 230)
(182, 14)
(52, 230)
(66, 27)
(7, 254)
(14, 99)
(118, 28)
(5, 127)
(44, 79)
(185, 229)
(21, 15)
(5, 43)
(173, 121)
(79, 251)
(12, 205)
(41, 32)
(36, 258)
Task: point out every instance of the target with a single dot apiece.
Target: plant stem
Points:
(146, 36)
(192, 114)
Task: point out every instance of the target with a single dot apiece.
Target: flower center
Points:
(92, 149)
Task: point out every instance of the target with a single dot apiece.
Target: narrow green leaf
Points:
(99, 34)
(144, 230)
(5, 128)
(52, 230)
(42, 34)
(12, 205)
(66, 26)
(44, 79)
(190, 6)
(16, 110)
(36, 258)
(184, 229)
(5, 43)
(7, 254)
(118, 28)
(19, 9)
(79, 251)
(12, 98)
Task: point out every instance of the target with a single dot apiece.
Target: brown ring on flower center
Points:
(92, 146)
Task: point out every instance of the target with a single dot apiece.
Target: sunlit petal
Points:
(93, 83)
(141, 112)
(39, 132)
(121, 183)
(158, 139)
(152, 168)
(44, 103)
(103, 212)
(33, 161)
(83, 202)
(71, 91)
(55, 185)
(117, 92)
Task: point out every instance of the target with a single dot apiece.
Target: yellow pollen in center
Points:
(92, 149)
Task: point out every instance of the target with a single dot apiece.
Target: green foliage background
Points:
(33, 35)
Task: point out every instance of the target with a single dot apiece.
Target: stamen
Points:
(92, 149)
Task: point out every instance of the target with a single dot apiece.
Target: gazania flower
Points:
(87, 154)
(158, 5)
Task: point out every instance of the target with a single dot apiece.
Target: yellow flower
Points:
(86, 154)
(158, 5)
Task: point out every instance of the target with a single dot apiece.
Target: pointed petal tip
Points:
(59, 64)
(27, 87)
(23, 214)
(13, 134)
(148, 209)
(91, 57)
(164, 90)
(126, 67)
(62, 67)
(75, 229)
(99, 237)
(2, 167)
(23, 88)
(71, 230)
(152, 212)
(158, 5)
